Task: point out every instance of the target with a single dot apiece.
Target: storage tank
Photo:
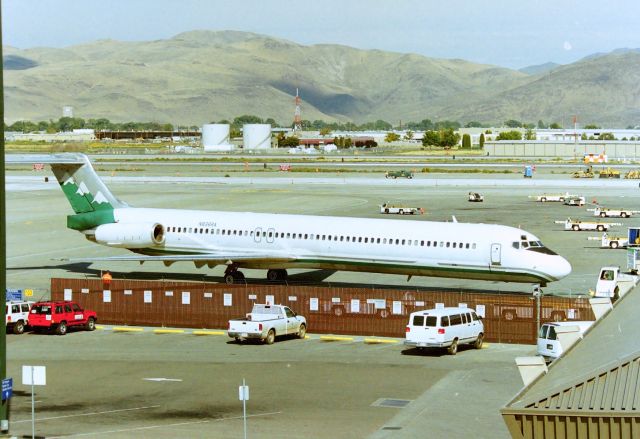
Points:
(256, 136)
(215, 137)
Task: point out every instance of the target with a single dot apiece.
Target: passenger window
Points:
(455, 319)
(25, 307)
(432, 321)
(76, 307)
(467, 245)
(418, 320)
(306, 236)
(444, 320)
(289, 312)
(454, 245)
(58, 309)
(474, 317)
(473, 246)
(15, 308)
(67, 308)
(448, 244)
(403, 242)
(551, 335)
(464, 318)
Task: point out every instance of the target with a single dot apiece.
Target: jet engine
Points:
(132, 235)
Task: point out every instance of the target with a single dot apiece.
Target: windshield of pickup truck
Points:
(41, 309)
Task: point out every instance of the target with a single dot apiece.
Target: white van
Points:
(444, 327)
(549, 345)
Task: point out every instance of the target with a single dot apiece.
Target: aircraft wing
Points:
(217, 258)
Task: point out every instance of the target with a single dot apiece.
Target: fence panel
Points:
(508, 318)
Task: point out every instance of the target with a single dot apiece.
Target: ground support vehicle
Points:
(603, 212)
(633, 259)
(17, 316)
(400, 209)
(528, 171)
(401, 173)
(475, 197)
(266, 322)
(580, 226)
(586, 173)
(60, 316)
(607, 241)
(609, 173)
(558, 198)
(633, 175)
(575, 201)
(549, 347)
(444, 328)
(612, 283)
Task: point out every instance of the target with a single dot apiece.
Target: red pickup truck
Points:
(46, 316)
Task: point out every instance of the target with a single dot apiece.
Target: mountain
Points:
(202, 76)
(540, 68)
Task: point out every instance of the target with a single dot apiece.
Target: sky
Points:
(507, 33)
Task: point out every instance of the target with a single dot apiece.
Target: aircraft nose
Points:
(560, 268)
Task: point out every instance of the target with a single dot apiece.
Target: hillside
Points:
(202, 76)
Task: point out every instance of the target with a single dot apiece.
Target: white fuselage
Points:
(443, 249)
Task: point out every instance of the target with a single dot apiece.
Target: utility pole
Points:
(4, 405)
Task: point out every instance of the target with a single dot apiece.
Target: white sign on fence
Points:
(313, 304)
(148, 296)
(106, 296)
(68, 294)
(355, 305)
(228, 299)
(186, 298)
(397, 307)
(480, 310)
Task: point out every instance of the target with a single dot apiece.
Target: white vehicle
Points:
(574, 201)
(607, 241)
(400, 209)
(580, 226)
(557, 198)
(277, 242)
(613, 213)
(548, 344)
(633, 259)
(613, 283)
(444, 328)
(266, 322)
(475, 197)
(17, 316)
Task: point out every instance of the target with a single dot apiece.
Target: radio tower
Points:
(297, 118)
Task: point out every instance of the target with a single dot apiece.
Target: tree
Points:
(591, 126)
(431, 138)
(271, 121)
(326, 131)
(288, 142)
(511, 123)
(583, 136)
(509, 135)
(391, 137)
(606, 136)
(473, 124)
(448, 138)
(555, 126)
(466, 141)
(530, 134)
(246, 118)
(481, 140)
(408, 135)
(541, 124)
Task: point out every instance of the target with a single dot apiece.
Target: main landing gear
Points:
(232, 275)
(276, 275)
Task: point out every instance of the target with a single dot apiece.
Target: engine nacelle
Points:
(132, 235)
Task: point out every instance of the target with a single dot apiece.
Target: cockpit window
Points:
(543, 250)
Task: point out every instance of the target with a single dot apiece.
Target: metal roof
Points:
(599, 377)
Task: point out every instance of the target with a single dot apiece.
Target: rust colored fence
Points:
(508, 318)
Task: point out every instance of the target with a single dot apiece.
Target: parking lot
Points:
(124, 384)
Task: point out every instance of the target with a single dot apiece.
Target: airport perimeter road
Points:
(107, 384)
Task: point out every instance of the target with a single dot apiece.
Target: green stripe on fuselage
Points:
(89, 220)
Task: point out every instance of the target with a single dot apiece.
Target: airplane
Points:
(277, 242)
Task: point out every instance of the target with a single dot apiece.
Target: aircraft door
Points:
(271, 233)
(495, 254)
(257, 234)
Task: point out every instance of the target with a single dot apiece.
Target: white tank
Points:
(256, 136)
(215, 137)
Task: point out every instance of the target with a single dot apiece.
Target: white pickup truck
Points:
(266, 322)
(613, 283)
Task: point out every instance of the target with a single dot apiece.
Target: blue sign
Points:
(7, 388)
(14, 295)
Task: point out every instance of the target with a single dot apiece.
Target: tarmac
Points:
(113, 383)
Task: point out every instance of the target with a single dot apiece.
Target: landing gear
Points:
(276, 275)
(232, 275)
